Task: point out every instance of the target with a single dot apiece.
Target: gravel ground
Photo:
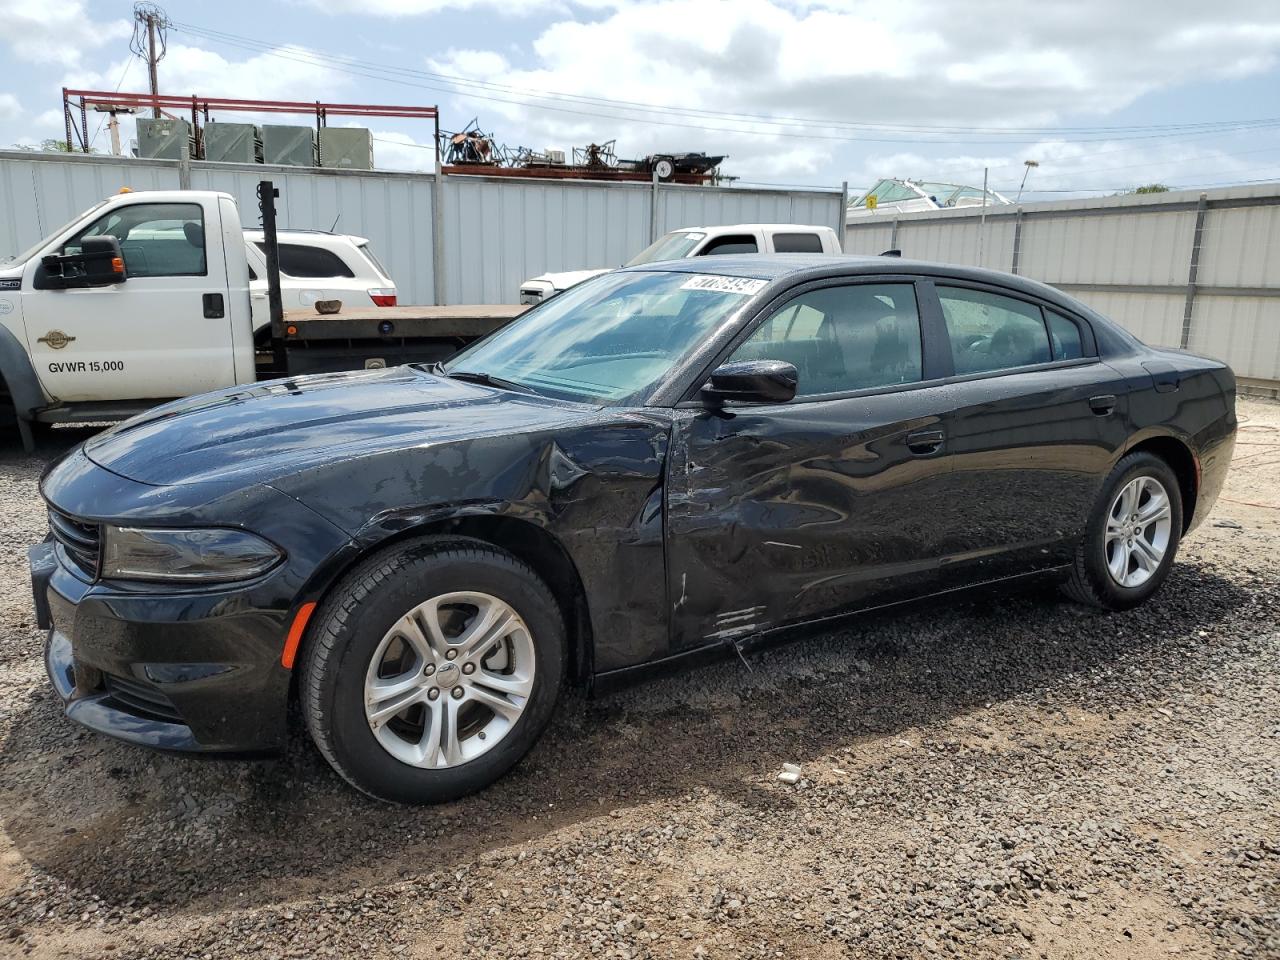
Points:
(1009, 777)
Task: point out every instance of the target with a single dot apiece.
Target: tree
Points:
(1152, 188)
(50, 145)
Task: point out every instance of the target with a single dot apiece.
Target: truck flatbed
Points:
(464, 321)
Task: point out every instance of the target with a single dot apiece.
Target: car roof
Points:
(772, 227)
(800, 267)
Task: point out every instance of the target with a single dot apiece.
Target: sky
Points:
(1104, 96)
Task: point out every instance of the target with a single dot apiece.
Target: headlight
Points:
(209, 555)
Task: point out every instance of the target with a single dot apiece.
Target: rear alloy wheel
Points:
(431, 669)
(1132, 536)
(1139, 527)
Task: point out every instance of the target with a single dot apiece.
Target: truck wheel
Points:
(432, 669)
(1132, 536)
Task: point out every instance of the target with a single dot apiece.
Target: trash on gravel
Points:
(790, 773)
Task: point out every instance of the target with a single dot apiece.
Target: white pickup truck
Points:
(147, 297)
(699, 242)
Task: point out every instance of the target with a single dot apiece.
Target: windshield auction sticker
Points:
(742, 286)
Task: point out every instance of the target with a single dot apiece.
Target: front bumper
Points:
(198, 673)
(177, 667)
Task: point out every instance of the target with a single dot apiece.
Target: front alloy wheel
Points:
(449, 680)
(432, 668)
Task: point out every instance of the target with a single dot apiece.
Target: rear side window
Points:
(730, 244)
(1064, 336)
(297, 260)
(841, 339)
(990, 332)
(797, 243)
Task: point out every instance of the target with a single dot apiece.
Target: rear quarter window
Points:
(298, 260)
(797, 243)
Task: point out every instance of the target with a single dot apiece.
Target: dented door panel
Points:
(781, 514)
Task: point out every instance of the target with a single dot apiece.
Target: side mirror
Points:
(752, 381)
(98, 264)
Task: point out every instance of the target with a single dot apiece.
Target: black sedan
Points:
(656, 466)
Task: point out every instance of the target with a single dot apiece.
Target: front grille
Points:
(81, 540)
(141, 699)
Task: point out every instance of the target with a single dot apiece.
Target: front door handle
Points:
(924, 442)
(213, 308)
(1104, 405)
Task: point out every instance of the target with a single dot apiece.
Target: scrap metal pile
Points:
(471, 150)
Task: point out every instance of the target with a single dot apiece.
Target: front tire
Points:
(432, 669)
(1132, 536)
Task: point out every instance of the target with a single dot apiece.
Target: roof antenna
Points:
(335, 222)
(895, 252)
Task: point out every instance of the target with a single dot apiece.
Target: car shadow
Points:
(175, 833)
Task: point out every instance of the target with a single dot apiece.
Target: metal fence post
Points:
(844, 211)
(893, 237)
(1017, 241)
(184, 173)
(437, 236)
(1193, 270)
(653, 207)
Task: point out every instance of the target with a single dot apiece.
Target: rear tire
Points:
(1132, 537)
(432, 669)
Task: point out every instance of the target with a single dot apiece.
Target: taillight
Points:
(383, 296)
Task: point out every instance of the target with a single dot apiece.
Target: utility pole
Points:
(152, 63)
(149, 42)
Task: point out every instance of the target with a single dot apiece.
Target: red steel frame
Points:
(202, 105)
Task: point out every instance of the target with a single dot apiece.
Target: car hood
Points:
(563, 281)
(269, 430)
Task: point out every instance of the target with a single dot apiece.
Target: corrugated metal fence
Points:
(494, 232)
(1186, 269)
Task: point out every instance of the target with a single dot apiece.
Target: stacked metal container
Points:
(233, 142)
(289, 145)
(165, 138)
(346, 148)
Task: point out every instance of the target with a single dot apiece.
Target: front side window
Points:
(312, 263)
(156, 239)
(991, 332)
(844, 338)
(730, 244)
(610, 339)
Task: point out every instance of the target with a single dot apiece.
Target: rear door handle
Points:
(1104, 405)
(924, 442)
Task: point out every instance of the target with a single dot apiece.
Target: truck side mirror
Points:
(98, 264)
(752, 381)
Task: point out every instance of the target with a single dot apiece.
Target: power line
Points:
(1196, 130)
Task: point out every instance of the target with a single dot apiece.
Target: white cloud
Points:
(1004, 63)
(39, 32)
(398, 151)
(10, 109)
(414, 8)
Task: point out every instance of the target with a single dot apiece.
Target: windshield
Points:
(673, 246)
(610, 339)
(30, 252)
